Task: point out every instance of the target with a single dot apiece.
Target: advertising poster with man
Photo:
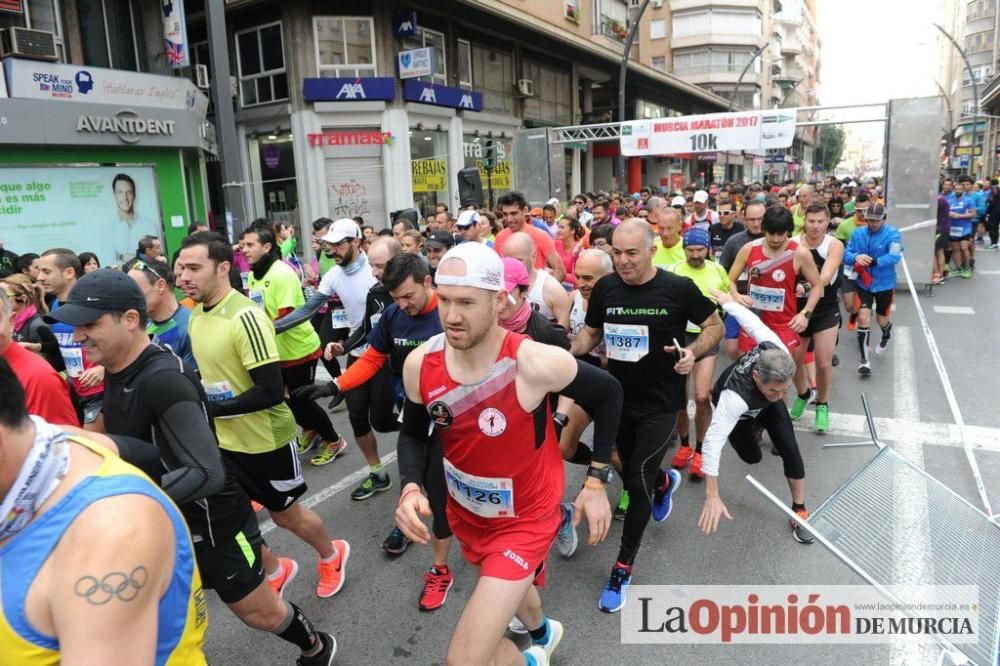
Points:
(101, 209)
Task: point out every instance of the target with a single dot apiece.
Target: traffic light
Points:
(489, 155)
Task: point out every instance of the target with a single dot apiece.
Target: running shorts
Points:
(881, 299)
(848, 286)
(941, 242)
(732, 328)
(233, 568)
(822, 319)
(273, 479)
(789, 337)
(967, 237)
(91, 406)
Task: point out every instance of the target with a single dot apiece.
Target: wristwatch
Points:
(604, 474)
(806, 313)
(560, 419)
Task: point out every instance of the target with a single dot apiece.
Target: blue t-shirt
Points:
(960, 227)
(173, 334)
(396, 334)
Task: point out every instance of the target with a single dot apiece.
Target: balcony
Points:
(614, 29)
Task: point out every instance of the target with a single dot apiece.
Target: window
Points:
(659, 63)
(493, 72)
(260, 56)
(611, 19)
(658, 29)
(713, 61)
(717, 21)
(423, 39)
(464, 62)
(39, 15)
(553, 100)
(107, 33)
(345, 46)
(748, 97)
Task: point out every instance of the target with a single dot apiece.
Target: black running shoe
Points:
(325, 656)
(396, 543)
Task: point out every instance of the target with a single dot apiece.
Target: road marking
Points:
(981, 272)
(900, 430)
(954, 309)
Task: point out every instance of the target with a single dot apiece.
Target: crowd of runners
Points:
(169, 404)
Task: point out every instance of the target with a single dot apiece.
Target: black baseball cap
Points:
(441, 238)
(96, 293)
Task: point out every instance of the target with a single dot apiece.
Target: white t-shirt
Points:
(352, 290)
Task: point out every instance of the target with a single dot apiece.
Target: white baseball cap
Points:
(467, 218)
(678, 201)
(483, 268)
(343, 229)
(701, 196)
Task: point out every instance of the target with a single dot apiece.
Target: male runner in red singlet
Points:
(485, 391)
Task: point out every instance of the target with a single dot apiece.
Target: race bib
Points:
(485, 497)
(218, 391)
(257, 296)
(338, 319)
(73, 359)
(849, 272)
(246, 281)
(957, 231)
(626, 342)
(767, 299)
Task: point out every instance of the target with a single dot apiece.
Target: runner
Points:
(151, 396)
(167, 324)
(753, 217)
(668, 248)
(727, 227)
(501, 460)
(703, 217)
(708, 275)
(234, 343)
(963, 212)
(97, 562)
(640, 312)
(824, 325)
(873, 253)
(514, 209)
(58, 271)
(749, 393)
(848, 287)
(546, 296)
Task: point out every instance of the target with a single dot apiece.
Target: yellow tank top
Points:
(183, 616)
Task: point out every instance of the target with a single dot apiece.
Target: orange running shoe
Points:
(682, 457)
(288, 569)
(695, 471)
(332, 574)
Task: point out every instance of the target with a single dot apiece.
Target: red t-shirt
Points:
(543, 243)
(46, 393)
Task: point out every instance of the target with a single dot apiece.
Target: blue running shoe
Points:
(614, 596)
(663, 502)
(566, 538)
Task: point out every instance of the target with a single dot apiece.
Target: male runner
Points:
(485, 391)
(545, 296)
(963, 214)
(167, 324)
(96, 563)
(708, 275)
(751, 392)
(824, 325)
(727, 227)
(702, 217)
(151, 396)
(873, 253)
(58, 271)
(641, 313)
(753, 217)
(846, 229)
(669, 247)
(237, 354)
(514, 209)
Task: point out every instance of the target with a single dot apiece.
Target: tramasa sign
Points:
(350, 138)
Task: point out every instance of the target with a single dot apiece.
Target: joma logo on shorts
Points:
(517, 559)
(642, 312)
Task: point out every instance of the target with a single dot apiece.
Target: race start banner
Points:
(709, 133)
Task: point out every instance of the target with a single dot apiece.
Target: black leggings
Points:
(370, 406)
(774, 418)
(642, 443)
(993, 227)
(307, 413)
(437, 490)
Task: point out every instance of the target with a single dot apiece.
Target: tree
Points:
(831, 147)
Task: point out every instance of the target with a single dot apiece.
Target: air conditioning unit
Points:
(201, 76)
(657, 4)
(526, 87)
(27, 43)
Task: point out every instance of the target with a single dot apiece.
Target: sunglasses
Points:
(725, 212)
(139, 265)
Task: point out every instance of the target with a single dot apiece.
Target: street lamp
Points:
(972, 79)
(621, 87)
(736, 90)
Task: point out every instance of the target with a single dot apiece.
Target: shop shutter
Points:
(354, 187)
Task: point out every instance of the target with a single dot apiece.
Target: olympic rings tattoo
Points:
(115, 585)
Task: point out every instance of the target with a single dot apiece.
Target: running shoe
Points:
(965, 273)
(566, 538)
(553, 639)
(515, 626)
(622, 508)
(371, 485)
(308, 441)
(328, 452)
(852, 321)
(682, 457)
(992, 247)
(663, 500)
(836, 360)
(289, 568)
(436, 586)
(615, 592)
(325, 656)
(696, 473)
(535, 656)
(980, 240)
(822, 418)
(396, 543)
(799, 533)
(256, 506)
(800, 404)
(865, 369)
(883, 344)
(937, 279)
(332, 574)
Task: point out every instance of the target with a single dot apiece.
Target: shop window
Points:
(493, 72)
(464, 62)
(260, 56)
(474, 150)
(552, 101)
(345, 46)
(429, 169)
(277, 175)
(108, 30)
(423, 39)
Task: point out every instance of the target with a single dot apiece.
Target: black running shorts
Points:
(233, 567)
(273, 479)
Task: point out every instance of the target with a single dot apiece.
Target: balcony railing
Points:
(613, 28)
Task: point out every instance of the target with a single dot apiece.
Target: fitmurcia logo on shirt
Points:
(637, 312)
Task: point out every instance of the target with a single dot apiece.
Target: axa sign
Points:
(429, 93)
(404, 25)
(127, 124)
(363, 89)
(427, 96)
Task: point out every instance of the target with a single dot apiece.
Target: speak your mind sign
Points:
(709, 133)
(104, 210)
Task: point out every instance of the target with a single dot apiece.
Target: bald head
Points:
(380, 252)
(521, 247)
(635, 227)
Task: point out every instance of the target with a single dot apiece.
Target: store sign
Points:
(33, 79)
(968, 150)
(709, 133)
(349, 90)
(13, 6)
(429, 93)
(350, 138)
(416, 62)
(129, 126)
(175, 34)
(404, 25)
(429, 175)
